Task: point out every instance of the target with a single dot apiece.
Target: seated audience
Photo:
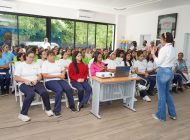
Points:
(78, 72)
(140, 67)
(42, 58)
(28, 75)
(97, 65)
(54, 76)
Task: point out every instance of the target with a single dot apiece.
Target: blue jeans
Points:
(163, 78)
(83, 87)
(58, 87)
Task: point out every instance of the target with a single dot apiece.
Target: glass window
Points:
(91, 35)
(81, 34)
(32, 30)
(8, 30)
(101, 36)
(62, 32)
(110, 39)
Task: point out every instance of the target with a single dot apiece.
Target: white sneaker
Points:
(135, 99)
(147, 99)
(141, 87)
(24, 118)
(49, 113)
(155, 117)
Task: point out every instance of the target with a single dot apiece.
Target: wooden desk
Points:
(113, 89)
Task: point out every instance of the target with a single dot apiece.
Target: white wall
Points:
(120, 29)
(146, 23)
(54, 11)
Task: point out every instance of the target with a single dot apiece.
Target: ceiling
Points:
(123, 7)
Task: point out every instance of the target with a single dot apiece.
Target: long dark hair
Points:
(74, 61)
(19, 55)
(125, 59)
(40, 54)
(96, 54)
(149, 59)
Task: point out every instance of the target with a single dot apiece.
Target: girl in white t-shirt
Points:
(28, 75)
(54, 75)
(151, 65)
(64, 62)
(140, 67)
(43, 57)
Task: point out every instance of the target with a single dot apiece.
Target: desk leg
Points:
(96, 99)
(130, 101)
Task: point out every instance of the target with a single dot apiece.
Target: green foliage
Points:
(32, 28)
(62, 31)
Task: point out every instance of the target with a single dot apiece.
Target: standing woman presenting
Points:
(165, 61)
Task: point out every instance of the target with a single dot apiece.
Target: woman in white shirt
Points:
(64, 62)
(111, 61)
(151, 66)
(43, 56)
(165, 61)
(54, 76)
(28, 75)
(140, 67)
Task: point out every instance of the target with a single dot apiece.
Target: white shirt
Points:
(166, 56)
(27, 71)
(119, 61)
(46, 45)
(141, 65)
(111, 63)
(40, 62)
(51, 69)
(151, 66)
(64, 63)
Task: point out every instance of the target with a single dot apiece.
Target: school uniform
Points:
(57, 85)
(30, 72)
(142, 67)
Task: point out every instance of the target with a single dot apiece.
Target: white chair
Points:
(73, 88)
(139, 89)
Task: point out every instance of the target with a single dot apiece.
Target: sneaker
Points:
(141, 87)
(49, 113)
(173, 118)
(57, 114)
(147, 99)
(24, 118)
(135, 100)
(155, 117)
(73, 109)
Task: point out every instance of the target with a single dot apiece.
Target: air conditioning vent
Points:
(85, 14)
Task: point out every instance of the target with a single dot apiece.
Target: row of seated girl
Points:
(29, 75)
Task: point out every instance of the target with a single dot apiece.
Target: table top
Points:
(114, 79)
